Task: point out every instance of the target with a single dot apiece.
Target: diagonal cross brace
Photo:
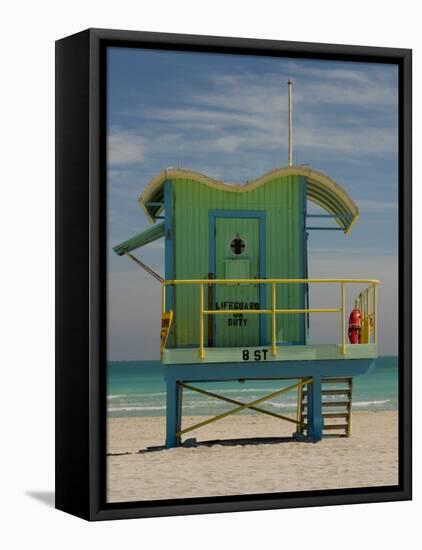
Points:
(235, 402)
(242, 406)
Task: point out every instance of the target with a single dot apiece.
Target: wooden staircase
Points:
(336, 407)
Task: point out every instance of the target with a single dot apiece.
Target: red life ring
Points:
(355, 327)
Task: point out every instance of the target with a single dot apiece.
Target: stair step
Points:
(336, 427)
(331, 404)
(331, 392)
(332, 415)
(331, 427)
(336, 404)
(335, 381)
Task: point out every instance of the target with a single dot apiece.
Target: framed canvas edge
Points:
(98, 509)
(72, 366)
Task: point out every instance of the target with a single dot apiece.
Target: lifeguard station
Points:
(235, 296)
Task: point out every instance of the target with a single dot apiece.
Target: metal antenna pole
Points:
(289, 84)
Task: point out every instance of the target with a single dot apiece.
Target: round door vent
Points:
(237, 245)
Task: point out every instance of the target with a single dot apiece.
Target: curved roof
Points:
(321, 190)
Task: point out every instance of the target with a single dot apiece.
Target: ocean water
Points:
(136, 388)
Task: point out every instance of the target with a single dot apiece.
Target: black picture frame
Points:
(81, 273)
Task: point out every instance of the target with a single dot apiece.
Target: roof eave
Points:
(332, 197)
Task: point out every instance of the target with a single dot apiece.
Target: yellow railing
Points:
(366, 305)
(367, 309)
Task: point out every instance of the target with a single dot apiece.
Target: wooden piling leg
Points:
(173, 413)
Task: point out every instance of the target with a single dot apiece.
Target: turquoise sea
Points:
(136, 388)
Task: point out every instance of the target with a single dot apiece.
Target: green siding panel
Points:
(283, 201)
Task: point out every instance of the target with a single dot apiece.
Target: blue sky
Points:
(226, 116)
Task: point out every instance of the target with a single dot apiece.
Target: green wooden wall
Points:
(284, 201)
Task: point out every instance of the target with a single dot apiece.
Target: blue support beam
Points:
(314, 409)
(268, 370)
(173, 413)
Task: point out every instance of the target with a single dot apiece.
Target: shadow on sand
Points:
(250, 441)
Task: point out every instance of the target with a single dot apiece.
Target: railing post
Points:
(210, 318)
(299, 407)
(163, 298)
(375, 312)
(343, 320)
(273, 321)
(201, 321)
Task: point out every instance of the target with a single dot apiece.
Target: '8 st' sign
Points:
(255, 354)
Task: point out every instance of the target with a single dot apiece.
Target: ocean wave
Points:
(246, 390)
(219, 390)
(369, 403)
(194, 405)
(139, 408)
(281, 405)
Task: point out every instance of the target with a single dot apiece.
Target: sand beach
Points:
(138, 468)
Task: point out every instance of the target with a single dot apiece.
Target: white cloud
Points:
(125, 147)
(311, 86)
(346, 140)
(242, 113)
